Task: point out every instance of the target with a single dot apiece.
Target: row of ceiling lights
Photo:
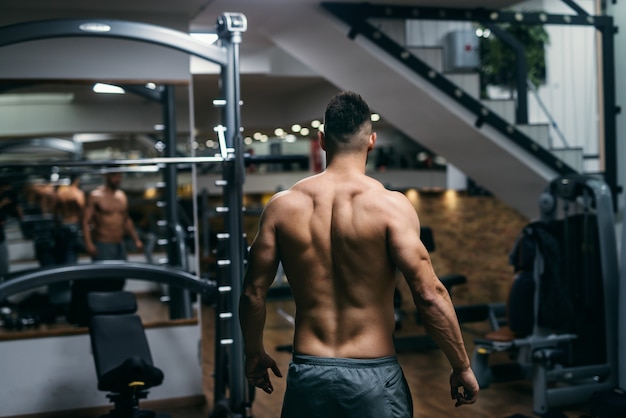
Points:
(296, 129)
(290, 136)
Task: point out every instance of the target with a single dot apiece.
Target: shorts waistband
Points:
(344, 362)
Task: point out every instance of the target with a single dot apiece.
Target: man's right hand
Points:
(91, 249)
(467, 380)
(256, 371)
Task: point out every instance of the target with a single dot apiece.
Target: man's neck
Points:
(349, 162)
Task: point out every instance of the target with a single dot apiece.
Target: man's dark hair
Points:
(346, 114)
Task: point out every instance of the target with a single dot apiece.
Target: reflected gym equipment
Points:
(230, 27)
(121, 353)
(118, 341)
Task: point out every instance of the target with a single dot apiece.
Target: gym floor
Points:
(427, 373)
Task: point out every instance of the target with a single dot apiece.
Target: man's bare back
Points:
(326, 226)
(70, 202)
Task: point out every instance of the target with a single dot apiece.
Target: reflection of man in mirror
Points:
(69, 206)
(106, 221)
(8, 207)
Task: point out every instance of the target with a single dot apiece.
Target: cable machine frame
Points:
(230, 27)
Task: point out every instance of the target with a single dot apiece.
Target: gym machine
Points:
(571, 353)
(121, 353)
(230, 27)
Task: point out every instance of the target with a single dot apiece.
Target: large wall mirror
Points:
(55, 131)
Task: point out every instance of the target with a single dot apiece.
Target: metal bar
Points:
(59, 144)
(220, 355)
(234, 171)
(110, 163)
(180, 302)
(609, 262)
(206, 225)
(59, 28)
(547, 113)
(521, 71)
(22, 281)
(579, 10)
(610, 111)
(248, 159)
(366, 11)
(145, 92)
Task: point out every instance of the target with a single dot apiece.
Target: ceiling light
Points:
(304, 131)
(296, 128)
(107, 88)
(290, 138)
(375, 117)
(94, 27)
(279, 132)
(315, 123)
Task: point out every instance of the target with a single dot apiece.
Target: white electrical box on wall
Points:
(461, 51)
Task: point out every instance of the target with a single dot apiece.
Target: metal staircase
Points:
(469, 83)
(423, 103)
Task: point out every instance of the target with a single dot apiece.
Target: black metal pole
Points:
(180, 301)
(230, 27)
(521, 110)
(610, 109)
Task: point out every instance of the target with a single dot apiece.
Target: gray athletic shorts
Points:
(109, 251)
(342, 388)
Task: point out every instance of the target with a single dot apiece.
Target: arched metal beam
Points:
(106, 270)
(50, 143)
(61, 28)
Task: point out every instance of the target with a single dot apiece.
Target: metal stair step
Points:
(504, 108)
(572, 156)
(468, 82)
(540, 133)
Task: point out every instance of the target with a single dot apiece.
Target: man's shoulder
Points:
(391, 206)
(97, 192)
(288, 198)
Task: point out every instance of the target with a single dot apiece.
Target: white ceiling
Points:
(268, 95)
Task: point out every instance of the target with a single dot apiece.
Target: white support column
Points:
(455, 178)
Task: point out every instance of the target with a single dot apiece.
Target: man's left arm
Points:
(129, 227)
(130, 230)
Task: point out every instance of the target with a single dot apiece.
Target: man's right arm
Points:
(86, 224)
(430, 296)
(260, 273)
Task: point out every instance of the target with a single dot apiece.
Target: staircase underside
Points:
(412, 105)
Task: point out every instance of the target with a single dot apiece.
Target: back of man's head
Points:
(347, 114)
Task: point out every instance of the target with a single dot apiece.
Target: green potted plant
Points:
(498, 65)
